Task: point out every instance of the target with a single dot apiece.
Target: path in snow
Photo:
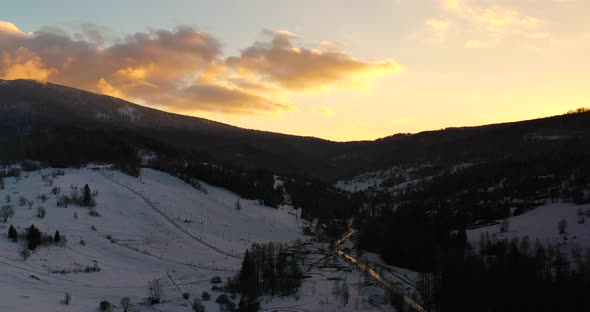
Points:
(174, 223)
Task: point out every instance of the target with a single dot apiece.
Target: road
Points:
(387, 284)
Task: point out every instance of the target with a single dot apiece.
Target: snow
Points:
(161, 228)
(147, 246)
(102, 116)
(129, 112)
(541, 224)
(324, 271)
(550, 137)
(402, 278)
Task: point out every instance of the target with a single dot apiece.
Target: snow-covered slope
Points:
(160, 227)
(541, 224)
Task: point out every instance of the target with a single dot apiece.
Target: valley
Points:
(155, 227)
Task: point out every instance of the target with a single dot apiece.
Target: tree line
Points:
(509, 275)
(268, 269)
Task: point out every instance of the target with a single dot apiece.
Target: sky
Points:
(335, 69)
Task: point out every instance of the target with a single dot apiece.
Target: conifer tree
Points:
(34, 237)
(12, 234)
(57, 237)
(87, 197)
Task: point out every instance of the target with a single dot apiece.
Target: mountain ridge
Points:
(33, 113)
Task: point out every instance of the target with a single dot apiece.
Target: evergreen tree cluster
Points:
(317, 199)
(249, 184)
(268, 269)
(321, 200)
(410, 225)
(411, 237)
(510, 276)
(86, 199)
(34, 237)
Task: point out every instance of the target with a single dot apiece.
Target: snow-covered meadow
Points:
(151, 227)
(541, 224)
(145, 245)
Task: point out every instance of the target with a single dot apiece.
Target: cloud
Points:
(92, 33)
(23, 63)
(330, 45)
(106, 88)
(493, 18)
(301, 69)
(236, 100)
(10, 28)
(473, 44)
(180, 70)
(403, 120)
(439, 27)
(489, 23)
(541, 35)
(323, 110)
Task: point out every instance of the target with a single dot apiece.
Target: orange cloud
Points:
(439, 27)
(24, 64)
(180, 70)
(106, 88)
(493, 18)
(473, 44)
(10, 28)
(299, 69)
(323, 110)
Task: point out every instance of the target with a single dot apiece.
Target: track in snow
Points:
(169, 219)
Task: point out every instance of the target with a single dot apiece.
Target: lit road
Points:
(388, 285)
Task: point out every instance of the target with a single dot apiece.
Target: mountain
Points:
(35, 118)
(61, 124)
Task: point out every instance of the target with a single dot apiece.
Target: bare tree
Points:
(125, 303)
(336, 289)
(198, 305)
(2, 183)
(105, 306)
(6, 212)
(155, 291)
(67, 299)
(30, 204)
(22, 201)
(562, 226)
(25, 254)
(505, 226)
(345, 293)
(41, 212)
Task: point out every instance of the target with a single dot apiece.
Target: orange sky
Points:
(423, 65)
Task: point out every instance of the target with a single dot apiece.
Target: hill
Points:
(63, 125)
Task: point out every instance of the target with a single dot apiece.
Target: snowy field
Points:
(154, 227)
(541, 224)
(322, 289)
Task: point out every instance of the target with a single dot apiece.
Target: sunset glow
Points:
(340, 70)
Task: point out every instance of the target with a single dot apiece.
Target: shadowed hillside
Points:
(67, 126)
